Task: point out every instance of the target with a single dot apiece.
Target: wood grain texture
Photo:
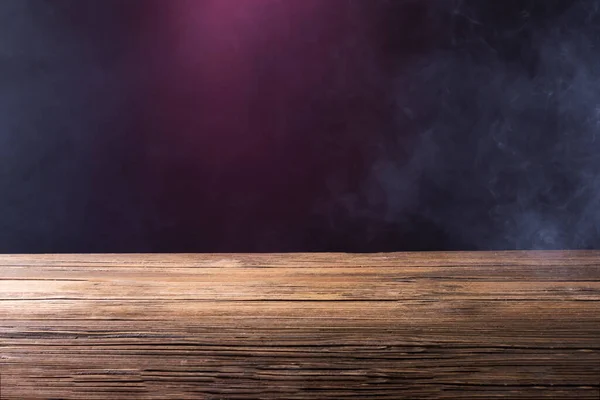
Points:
(518, 325)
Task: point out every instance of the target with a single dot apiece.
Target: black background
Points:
(372, 125)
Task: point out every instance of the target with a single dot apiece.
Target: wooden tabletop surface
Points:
(518, 325)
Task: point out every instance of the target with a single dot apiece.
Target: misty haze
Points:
(299, 125)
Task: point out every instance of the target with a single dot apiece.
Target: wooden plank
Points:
(523, 325)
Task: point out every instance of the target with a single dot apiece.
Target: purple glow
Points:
(245, 65)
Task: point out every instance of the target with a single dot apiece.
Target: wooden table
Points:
(518, 325)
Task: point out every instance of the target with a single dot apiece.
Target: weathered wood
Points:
(519, 325)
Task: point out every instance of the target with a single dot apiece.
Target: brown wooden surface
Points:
(301, 326)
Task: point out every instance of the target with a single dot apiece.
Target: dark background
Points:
(298, 125)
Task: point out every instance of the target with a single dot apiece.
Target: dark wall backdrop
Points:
(299, 125)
